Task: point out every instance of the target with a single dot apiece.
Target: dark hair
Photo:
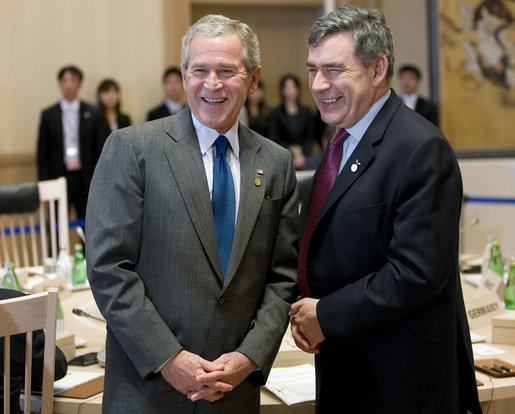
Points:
(104, 86)
(172, 70)
(372, 37)
(74, 70)
(410, 68)
(282, 82)
(263, 115)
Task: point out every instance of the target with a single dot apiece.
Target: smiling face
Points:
(216, 81)
(343, 89)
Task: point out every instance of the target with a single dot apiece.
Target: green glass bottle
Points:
(60, 317)
(509, 290)
(10, 280)
(79, 275)
(496, 263)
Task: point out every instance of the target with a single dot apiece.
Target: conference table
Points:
(497, 395)
(93, 333)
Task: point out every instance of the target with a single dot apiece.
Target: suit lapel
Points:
(251, 199)
(362, 157)
(185, 161)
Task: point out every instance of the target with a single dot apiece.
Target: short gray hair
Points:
(372, 37)
(214, 25)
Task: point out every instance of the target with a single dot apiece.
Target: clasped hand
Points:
(200, 379)
(305, 327)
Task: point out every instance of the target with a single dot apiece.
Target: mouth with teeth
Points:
(214, 100)
(329, 101)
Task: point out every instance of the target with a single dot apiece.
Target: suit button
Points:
(221, 301)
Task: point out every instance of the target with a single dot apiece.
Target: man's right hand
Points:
(182, 370)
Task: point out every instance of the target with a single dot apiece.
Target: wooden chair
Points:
(25, 315)
(27, 236)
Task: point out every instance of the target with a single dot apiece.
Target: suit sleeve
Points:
(421, 255)
(43, 137)
(264, 338)
(113, 235)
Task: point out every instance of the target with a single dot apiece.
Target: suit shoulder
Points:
(54, 108)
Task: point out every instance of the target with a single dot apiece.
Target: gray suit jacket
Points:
(154, 267)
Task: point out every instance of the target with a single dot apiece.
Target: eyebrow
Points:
(337, 65)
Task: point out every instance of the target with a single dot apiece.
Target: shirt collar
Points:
(358, 130)
(172, 106)
(207, 136)
(69, 106)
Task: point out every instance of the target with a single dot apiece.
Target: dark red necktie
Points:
(325, 180)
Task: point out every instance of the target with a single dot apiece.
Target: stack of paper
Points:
(293, 385)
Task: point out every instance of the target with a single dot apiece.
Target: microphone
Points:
(80, 232)
(80, 312)
(101, 355)
(471, 223)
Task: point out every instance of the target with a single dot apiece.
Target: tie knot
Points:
(340, 136)
(221, 144)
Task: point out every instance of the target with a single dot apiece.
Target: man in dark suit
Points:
(172, 83)
(67, 141)
(409, 79)
(381, 305)
(195, 294)
(18, 361)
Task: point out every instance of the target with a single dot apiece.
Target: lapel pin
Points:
(354, 167)
(257, 180)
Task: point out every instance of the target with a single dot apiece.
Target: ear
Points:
(183, 73)
(254, 79)
(380, 67)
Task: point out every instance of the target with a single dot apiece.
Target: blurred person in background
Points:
(172, 83)
(111, 116)
(291, 123)
(67, 139)
(257, 110)
(410, 77)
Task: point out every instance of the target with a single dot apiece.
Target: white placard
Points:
(482, 308)
(492, 282)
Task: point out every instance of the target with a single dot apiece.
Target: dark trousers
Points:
(78, 188)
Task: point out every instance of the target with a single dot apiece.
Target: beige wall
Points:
(116, 38)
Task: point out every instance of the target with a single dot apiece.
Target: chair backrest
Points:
(26, 238)
(23, 315)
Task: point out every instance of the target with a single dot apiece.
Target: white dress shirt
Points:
(207, 137)
(410, 100)
(173, 107)
(70, 119)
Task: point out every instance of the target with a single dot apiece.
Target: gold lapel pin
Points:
(257, 180)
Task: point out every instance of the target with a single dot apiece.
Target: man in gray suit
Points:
(191, 319)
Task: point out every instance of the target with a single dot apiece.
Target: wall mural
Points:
(477, 57)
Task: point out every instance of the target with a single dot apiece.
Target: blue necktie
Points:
(224, 202)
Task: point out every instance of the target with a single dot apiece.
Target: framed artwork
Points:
(473, 52)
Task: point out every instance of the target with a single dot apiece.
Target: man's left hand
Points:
(237, 367)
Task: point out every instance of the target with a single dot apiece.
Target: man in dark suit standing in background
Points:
(409, 79)
(67, 141)
(191, 235)
(172, 83)
(382, 305)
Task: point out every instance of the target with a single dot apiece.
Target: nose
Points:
(319, 82)
(213, 81)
